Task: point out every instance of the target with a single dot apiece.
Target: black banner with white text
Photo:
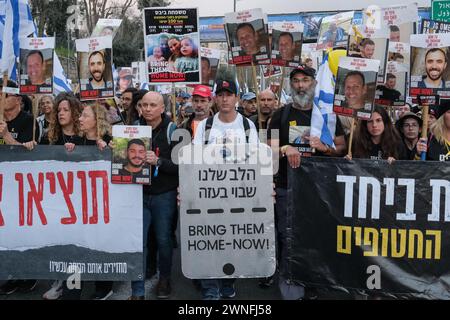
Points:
(368, 225)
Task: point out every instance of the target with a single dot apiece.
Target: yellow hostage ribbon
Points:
(358, 36)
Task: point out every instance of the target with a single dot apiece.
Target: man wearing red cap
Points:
(201, 103)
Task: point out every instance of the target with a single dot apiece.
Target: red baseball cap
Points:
(202, 91)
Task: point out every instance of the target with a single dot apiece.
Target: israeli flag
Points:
(16, 22)
(60, 82)
(323, 119)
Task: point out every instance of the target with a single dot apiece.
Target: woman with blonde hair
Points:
(94, 126)
(438, 146)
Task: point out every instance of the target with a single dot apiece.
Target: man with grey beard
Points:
(293, 124)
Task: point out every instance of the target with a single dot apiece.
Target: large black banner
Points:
(368, 225)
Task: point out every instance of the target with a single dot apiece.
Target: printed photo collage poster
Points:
(172, 45)
(355, 87)
(399, 21)
(94, 56)
(36, 65)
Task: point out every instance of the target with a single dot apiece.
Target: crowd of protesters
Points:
(209, 117)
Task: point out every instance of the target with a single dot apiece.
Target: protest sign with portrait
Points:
(368, 43)
(399, 20)
(248, 37)
(36, 65)
(210, 59)
(355, 87)
(287, 39)
(172, 45)
(124, 79)
(430, 72)
(393, 91)
(95, 67)
(311, 57)
(131, 144)
(106, 27)
(334, 30)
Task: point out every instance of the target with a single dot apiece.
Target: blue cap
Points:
(184, 95)
(248, 96)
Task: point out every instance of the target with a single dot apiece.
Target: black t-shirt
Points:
(376, 153)
(21, 128)
(410, 154)
(62, 140)
(88, 142)
(437, 151)
(294, 133)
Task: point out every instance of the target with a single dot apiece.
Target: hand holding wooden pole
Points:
(35, 108)
(424, 135)
(257, 97)
(280, 89)
(350, 142)
(97, 105)
(2, 103)
(174, 102)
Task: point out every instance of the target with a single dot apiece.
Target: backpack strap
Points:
(208, 126)
(246, 128)
(284, 126)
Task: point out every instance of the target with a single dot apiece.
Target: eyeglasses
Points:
(410, 125)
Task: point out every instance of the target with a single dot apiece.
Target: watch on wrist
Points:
(159, 162)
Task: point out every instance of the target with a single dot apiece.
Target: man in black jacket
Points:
(159, 197)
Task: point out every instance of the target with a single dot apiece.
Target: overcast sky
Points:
(220, 7)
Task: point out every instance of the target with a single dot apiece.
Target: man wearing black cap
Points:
(227, 126)
(409, 126)
(293, 123)
(17, 127)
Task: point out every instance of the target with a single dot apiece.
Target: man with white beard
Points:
(293, 123)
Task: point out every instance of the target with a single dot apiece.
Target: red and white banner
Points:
(59, 213)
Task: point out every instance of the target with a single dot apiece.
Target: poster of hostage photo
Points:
(248, 38)
(355, 87)
(287, 38)
(36, 65)
(172, 45)
(430, 72)
(95, 67)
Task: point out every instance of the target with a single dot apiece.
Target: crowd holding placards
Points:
(373, 121)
